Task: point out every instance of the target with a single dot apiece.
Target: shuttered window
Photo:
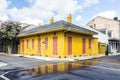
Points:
(39, 46)
(89, 43)
(46, 43)
(27, 43)
(32, 43)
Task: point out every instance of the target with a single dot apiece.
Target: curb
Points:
(69, 59)
(62, 59)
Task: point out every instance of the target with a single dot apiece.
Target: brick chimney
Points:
(52, 20)
(39, 24)
(69, 18)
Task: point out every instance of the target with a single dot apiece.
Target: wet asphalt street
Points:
(16, 63)
(107, 68)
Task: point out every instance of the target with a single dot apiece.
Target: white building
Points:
(111, 28)
(102, 38)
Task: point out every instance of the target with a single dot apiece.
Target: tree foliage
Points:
(8, 32)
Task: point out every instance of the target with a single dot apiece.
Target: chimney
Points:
(69, 18)
(39, 24)
(115, 18)
(51, 20)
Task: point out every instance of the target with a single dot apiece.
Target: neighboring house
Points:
(25, 26)
(58, 39)
(102, 38)
(109, 27)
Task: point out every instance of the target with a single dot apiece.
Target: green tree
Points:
(9, 31)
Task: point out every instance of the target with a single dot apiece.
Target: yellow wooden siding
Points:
(62, 45)
(44, 52)
(95, 46)
(77, 45)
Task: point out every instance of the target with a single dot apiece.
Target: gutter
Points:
(80, 31)
(59, 29)
(45, 31)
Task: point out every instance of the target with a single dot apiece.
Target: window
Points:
(84, 45)
(39, 45)
(109, 33)
(55, 45)
(91, 26)
(69, 45)
(103, 31)
(22, 46)
(27, 44)
(32, 43)
(94, 25)
(46, 43)
(89, 43)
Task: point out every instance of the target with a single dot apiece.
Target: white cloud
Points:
(4, 4)
(31, 21)
(3, 10)
(108, 14)
(88, 3)
(78, 18)
(4, 18)
(42, 10)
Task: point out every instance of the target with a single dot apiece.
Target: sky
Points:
(40, 11)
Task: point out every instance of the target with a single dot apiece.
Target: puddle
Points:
(50, 69)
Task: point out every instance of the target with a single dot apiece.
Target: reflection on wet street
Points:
(61, 67)
(50, 69)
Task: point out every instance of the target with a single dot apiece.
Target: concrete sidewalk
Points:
(65, 59)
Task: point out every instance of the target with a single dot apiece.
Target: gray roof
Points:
(57, 26)
(28, 27)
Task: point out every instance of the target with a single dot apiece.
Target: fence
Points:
(102, 48)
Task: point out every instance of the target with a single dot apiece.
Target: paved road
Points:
(108, 68)
(15, 62)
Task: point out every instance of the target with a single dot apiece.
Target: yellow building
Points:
(58, 39)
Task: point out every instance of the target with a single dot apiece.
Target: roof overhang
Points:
(83, 31)
(59, 29)
(41, 32)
